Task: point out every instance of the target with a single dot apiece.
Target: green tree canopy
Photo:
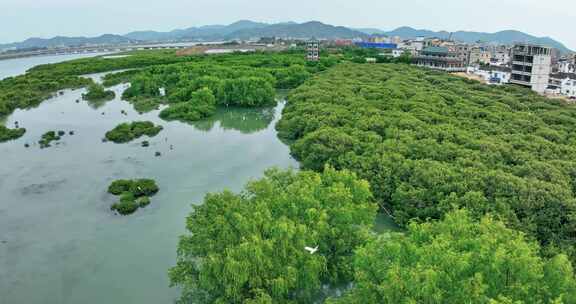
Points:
(459, 260)
(250, 247)
(201, 104)
(427, 141)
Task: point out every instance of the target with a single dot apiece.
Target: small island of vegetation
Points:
(127, 132)
(7, 134)
(97, 92)
(49, 137)
(133, 194)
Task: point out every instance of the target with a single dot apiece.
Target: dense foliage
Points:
(250, 247)
(459, 260)
(97, 92)
(247, 80)
(428, 142)
(126, 132)
(200, 104)
(133, 194)
(247, 91)
(7, 134)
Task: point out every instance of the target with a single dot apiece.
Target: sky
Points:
(21, 19)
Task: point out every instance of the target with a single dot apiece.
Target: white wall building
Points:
(568, 87)
(493, 75)
(566, 66)
(397, 53)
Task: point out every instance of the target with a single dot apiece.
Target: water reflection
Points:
(247, 121)
(97, 104)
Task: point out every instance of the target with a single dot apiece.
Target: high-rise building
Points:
(313, 50)
(531, 66)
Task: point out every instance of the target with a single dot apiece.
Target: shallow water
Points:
(17, 66)
(59, 241)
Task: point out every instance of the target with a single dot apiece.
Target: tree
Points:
(459, 260)
(201, 104)
(250, 247)
(246, 91)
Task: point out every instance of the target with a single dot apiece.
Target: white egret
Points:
(311, 250)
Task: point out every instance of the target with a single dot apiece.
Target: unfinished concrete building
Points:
(531, 66)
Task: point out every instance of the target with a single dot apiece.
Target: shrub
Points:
(97, 92)
(133, 194)
(127, 132)
(10, 134)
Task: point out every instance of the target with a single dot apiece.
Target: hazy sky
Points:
(21, 19)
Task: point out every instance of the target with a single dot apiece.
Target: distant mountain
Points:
(313, 29)
(502, 37)
(246, 29)
(58, 41)
(209, 32)
(370, 31)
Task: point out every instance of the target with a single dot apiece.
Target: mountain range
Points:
(245, 29)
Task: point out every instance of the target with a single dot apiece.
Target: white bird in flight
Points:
(311, 250)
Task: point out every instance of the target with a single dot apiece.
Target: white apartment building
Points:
(568, 87)
(566, 66)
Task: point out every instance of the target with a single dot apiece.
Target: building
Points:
(531, 66)
(479, 55)
(494, 75)
(463, 53)
(563, 84)
(397, 53)
(394, 53)
(379, 39)
(566, 66)
(375, 45)
(313, 50)
(343, 42)
(568, 86)
(500, 55)
(440, 58)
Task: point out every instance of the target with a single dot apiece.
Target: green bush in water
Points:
(97, 92)
(126, 132)
(7, 134)
(143, 201)
(48, 138)
(133, 194)
(125, 207)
